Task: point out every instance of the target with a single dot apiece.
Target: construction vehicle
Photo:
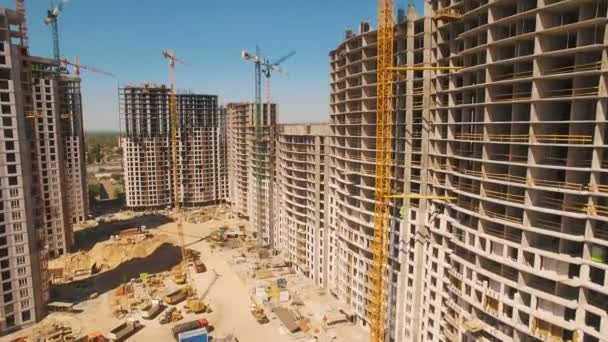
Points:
(262, 67)
(176, 296)
(124, 330)
(259, 314)
(192, 325)
(150, 309)
(172, 314)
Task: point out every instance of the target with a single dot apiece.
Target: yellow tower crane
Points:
(384, 140)
(77, 66)
(378, 272)
(182, 276)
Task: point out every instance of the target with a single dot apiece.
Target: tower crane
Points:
(263, 67)
(77, 66)
(51, 20)
(386, 71)
(20, 8)
(182, 277)
(168, 54)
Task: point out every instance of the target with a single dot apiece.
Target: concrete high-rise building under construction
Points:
(42, 172)
(250, 163)
(509, 241)
(146, 142)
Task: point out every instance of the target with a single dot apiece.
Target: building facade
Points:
(508, 239)
(252, 166)
(352, 163)
(41, 172)
(74, 152)
(201, 146)
(301, 231)
(518, 138)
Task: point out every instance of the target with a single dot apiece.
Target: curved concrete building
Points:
(518, 136)
(353, 157)
(302, 166)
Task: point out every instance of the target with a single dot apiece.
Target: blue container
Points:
(198, 335)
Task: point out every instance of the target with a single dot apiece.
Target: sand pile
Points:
(106, 255)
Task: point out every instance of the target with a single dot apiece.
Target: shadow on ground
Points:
(163, 259)
(88, 237)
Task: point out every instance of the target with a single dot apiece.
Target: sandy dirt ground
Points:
(226, 288)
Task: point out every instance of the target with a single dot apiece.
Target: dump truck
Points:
(192, 325)
(150, 309)
(175, 297)
(124, 330)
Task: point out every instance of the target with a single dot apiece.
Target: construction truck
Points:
(150, 309)
(176, 296)
(189, 326)
(124, 330)
(172, 314)
(258, 313)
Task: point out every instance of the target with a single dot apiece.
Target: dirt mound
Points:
(106, 255)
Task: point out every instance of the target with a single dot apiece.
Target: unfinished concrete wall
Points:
(23, 256)
(248, 162)
(236, 117)
(201, 163)
(352, 168)
(518, 137)
(74, 151)
(302, 232)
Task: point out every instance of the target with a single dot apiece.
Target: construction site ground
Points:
(227, 286)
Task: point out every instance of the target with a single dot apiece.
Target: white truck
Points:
(124, 330)
(151, 309)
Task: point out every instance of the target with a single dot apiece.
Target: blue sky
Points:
(126, 37)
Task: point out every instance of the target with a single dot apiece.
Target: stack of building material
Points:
(287, 319)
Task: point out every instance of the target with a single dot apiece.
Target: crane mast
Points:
(173, 123)
(259, 145)
(384, 119)
(20, 8)
(263, 67)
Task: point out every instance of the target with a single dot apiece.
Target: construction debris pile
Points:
(105, 256)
